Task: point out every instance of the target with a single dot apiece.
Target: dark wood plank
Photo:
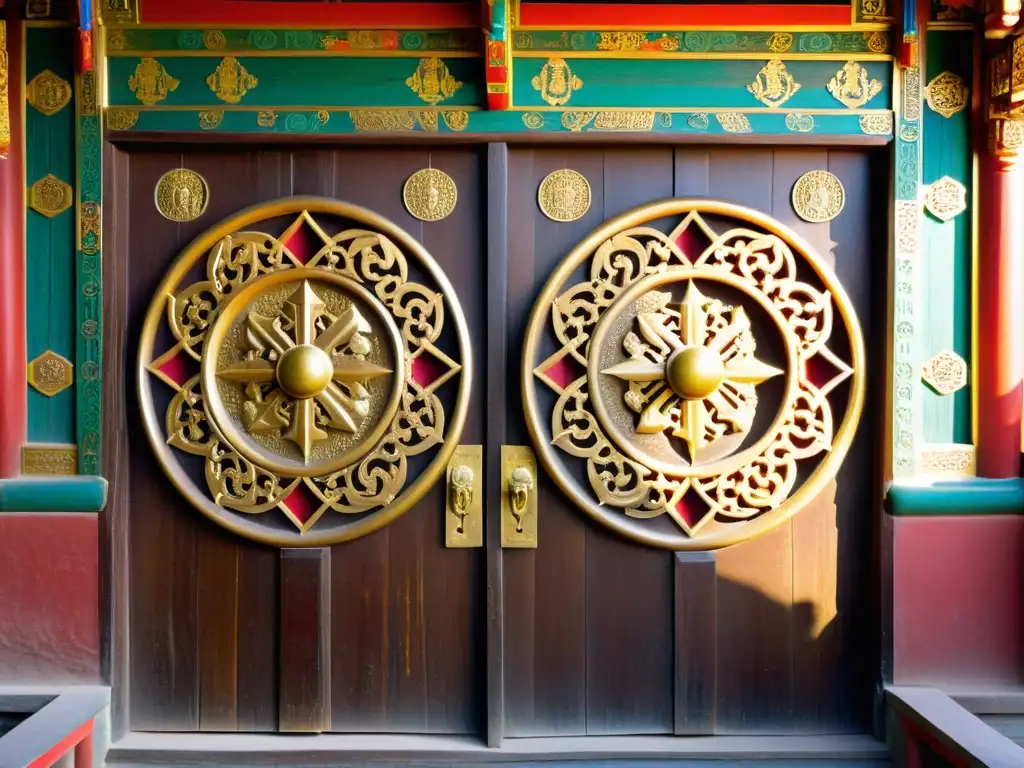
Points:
(217, 608)
(259, 589)
(305, 631)
(115, 559)
(696, 643)
(497, 385)
(410, 656)
(629, 588)
(755, 658)
(164, 627)
(692, 176)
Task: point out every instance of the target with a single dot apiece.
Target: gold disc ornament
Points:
(181, 195)
(818, 196)
(694, 385)
(300, 387)
(564, 195)
(430, 194)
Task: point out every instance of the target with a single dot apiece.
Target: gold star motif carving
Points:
(696, 380)
(315, 385)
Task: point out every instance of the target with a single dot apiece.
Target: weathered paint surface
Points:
(49, 598)
(957, 600)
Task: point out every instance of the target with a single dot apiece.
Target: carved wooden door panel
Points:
(302, 368)
(692, 378)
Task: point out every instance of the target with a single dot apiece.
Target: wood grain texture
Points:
(305, 632)
(497, 391)
(696, 643)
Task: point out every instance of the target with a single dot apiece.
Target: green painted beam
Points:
(73, 493)
(970, 496)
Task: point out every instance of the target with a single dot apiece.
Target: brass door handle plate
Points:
(464, 508)
(519, 497)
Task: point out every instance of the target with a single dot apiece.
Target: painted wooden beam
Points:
(13, 404)
(71, 493)
(970, 496)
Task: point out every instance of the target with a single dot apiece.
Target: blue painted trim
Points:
(73, 493)
(972, 496)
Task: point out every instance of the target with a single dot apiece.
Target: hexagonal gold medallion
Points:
(50, 196)
(50, 373)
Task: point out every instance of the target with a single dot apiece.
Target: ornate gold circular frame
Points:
(247, 525)
(551, 457)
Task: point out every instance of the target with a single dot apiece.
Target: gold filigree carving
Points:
(799, 122)
(945, 373)
(181, 195)
(533, 120)
(947, 94)
(780, 42)
(773, 86)
(122, 119)
(5, 111)
(214, 40)
(90, 229)
(908, 223)
(266, 118)
(318, 370)
(624, 120)
(852, 86)
(48, 92)
(818, 196)
(946, 198)
(151, 82)
(947, 460)
(430, 194)
(455, 119)
(876, 125)
(665, 358)
(45, 459)
(50, 196)
(556, 82)
(210, 119)
(733, 122)
(121, 11)
(432, 82)
(1007, 136)
(871, 10)
(621, 41)
(381, 120)
(231, 81)
(564, 195)
(50, 373)
(911, 94)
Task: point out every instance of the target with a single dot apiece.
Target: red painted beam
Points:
(1000, 376)
(311, 15)
(601, 16)
(13, 404)
(65, 745)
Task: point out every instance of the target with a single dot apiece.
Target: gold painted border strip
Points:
(866, 27)
(457, 108)
(740, 56)
(249, 53)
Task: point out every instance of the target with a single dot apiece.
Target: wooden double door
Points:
(586, 634)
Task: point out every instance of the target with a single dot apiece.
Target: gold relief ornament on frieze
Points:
(773, 86)
(308, 372)
(853, 86)
(696, 388)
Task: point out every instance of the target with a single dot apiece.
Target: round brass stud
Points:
(694, 373)
(430, 194)
(181, 195)
(564, 195)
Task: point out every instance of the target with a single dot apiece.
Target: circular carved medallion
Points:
(564, 195)
(306, 373)
(181, 195)
(698, 387)
(430, 194)
(818, 196)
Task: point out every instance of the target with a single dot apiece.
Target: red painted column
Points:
(13, 388)
(1000, 369)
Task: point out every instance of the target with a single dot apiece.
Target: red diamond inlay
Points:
(690, 511)
(303, 242)
(692, 241)
(564, 371)
(179, 367)
(302, 504)
(426, 369)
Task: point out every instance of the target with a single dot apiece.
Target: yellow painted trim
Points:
(284, 27)
(296, 108)
(872, 27)
(709, 110)
(255, 54)
(707, 56)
